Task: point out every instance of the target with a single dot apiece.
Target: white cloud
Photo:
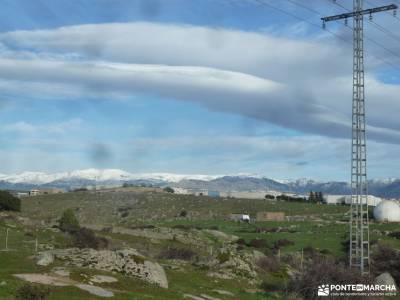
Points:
(297, 84)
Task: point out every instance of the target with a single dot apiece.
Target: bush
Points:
(86, 238)
(32, 292)
(223, 257)
(183, 213)
(395, 234)
(283, 243)
(68, 222)
(177, 253)
(9, 202)
(269, 264)
(320, 272)
(169, 190)
(386, 259)
(257, 243)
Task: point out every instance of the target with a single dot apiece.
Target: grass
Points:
(320, 229)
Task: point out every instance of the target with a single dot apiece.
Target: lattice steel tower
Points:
(359, 223)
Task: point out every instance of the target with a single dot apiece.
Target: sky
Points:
(193, 87)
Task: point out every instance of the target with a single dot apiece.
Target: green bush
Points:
(86, 238)
(68, 222)
(169, 190)
(9, 202)
(223, 257)
(32, 292)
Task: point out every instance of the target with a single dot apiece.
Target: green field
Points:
(322, 227)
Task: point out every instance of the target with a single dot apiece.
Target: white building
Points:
(387, 211)
(346, 199)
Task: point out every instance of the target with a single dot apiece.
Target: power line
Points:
(373, 23)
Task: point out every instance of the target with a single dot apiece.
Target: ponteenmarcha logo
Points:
(323, 290)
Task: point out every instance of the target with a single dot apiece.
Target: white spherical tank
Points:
(387, 211)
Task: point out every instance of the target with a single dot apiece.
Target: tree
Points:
(312, 197)
(320, 197)
(68, 222)
(9, 202)
(169, 190)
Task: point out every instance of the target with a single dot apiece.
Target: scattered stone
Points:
(95, 290)
(207, 297)
(192, 297)
(385, 279)
(44, 259)
(103, 279)
(61, 271)
(223, 292)
(45, 279)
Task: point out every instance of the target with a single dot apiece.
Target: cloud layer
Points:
(296, 84)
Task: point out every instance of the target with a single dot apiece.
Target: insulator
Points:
(394, 13)
(370, 17)
(323, 25)
(346, 22)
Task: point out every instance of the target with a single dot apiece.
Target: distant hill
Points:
(389, 188)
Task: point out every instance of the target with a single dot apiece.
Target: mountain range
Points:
(388, 188)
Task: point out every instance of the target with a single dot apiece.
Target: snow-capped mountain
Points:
(239, 182)
(98, 176)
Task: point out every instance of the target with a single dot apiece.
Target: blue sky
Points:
(194, 87)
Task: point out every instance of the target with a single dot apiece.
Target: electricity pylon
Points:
(359, 223)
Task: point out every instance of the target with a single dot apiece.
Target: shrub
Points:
(283, 243)
(386, 259)
(86, 238)
(258, 243)
(269, 264)
(177, 253)
(223, 257)
(9, 202)
(320, 272)
(32, 292)
(68, 222)
(395, 234)
(169, 190)
(183, 213)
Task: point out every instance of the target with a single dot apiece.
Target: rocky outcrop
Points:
(385, 279)
(128, 262)
(44, 259)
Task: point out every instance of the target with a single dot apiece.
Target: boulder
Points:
(385, 279)
(44, 259)
(128, 262)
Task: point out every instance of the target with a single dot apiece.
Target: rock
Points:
(45, 279)
(103, 279)
(223, 292)
(221, 236)
(207, 297)
(61, 272)
(3, 283)
(385, 279)
(128, 262)
(95, 290)
(44, 259)
(192, 297)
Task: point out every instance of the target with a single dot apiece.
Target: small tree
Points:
(32, 292)
(169, 189)
(183, 213)
(68, 222)
(312, 197)
(9, 202)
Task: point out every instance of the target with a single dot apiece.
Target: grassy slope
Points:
(161, 209)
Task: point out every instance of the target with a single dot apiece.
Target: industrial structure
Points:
(387, 211)
(359, 223)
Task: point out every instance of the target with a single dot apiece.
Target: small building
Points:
(238, 217)
(270, 216)
(45, 192)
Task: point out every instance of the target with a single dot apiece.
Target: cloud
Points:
(26, 128)
(296, 84)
